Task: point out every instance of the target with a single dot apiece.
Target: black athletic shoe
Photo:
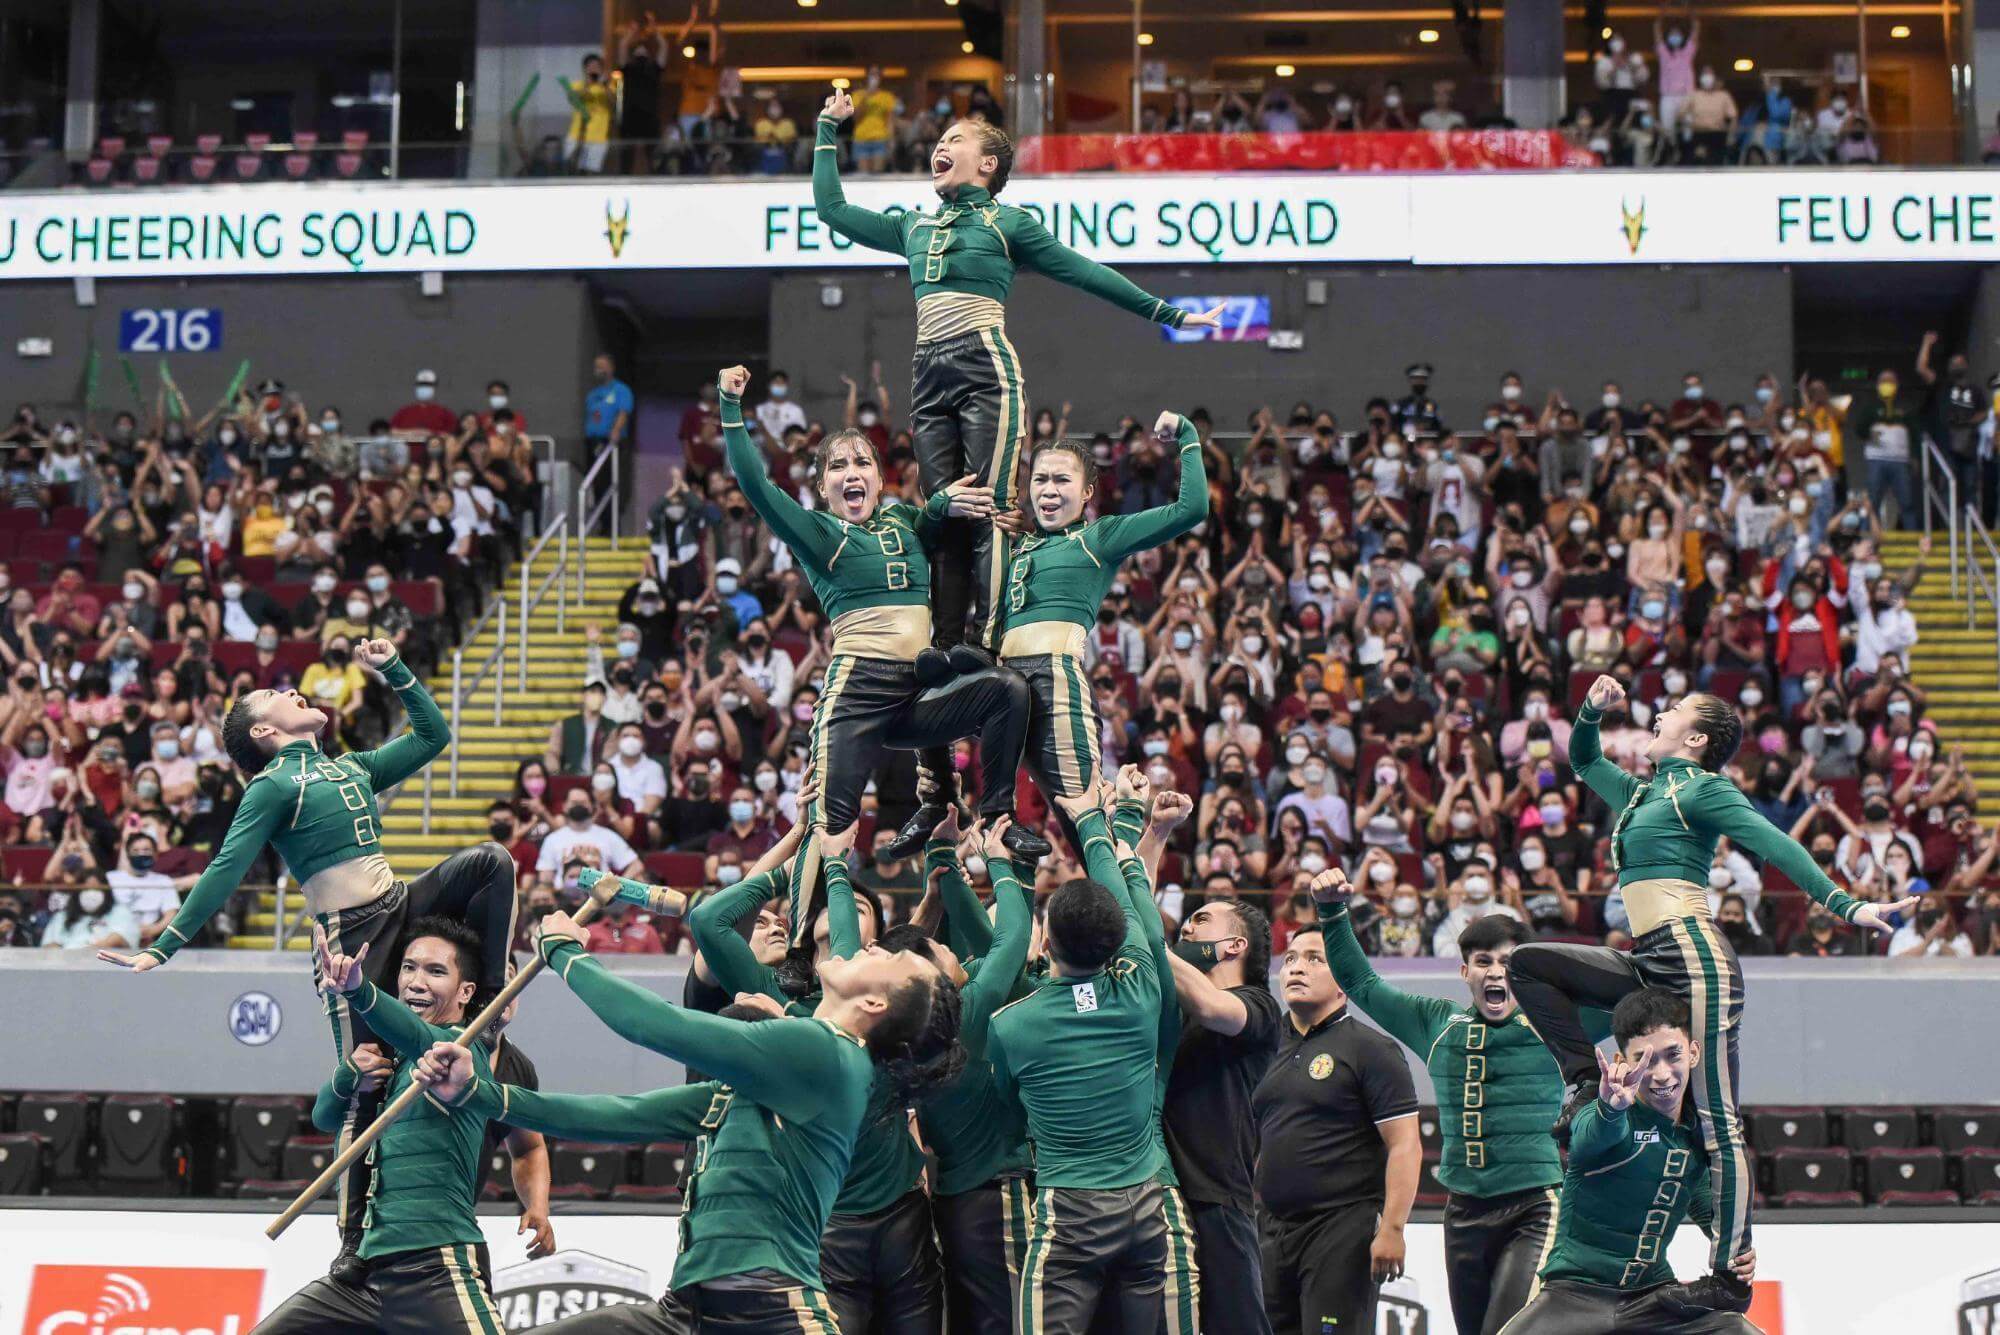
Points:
(934, 668)
(1023, 842)
(1579, 1097)
(348, 1268)
(1716, 1291)
(916, 831)
(967, 659)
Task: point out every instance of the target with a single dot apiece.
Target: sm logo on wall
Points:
(141, 1300)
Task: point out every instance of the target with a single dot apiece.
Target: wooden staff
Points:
(603, 889)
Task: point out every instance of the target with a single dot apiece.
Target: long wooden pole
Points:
(603, 889)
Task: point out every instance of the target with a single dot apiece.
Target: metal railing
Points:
(588, 515)
(559, 533)
(460, 688)
(1934, 463)
(1977, 579)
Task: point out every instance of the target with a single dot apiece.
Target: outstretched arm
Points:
(257, 818)
(877, 231)
(785, 1065)
(430, 733)
(679, 1113)
(1031, 244)
(1412, 1020)
(1721, 808)
(728, 955)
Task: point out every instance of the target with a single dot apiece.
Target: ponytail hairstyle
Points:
(994, 143)
(1721, 725)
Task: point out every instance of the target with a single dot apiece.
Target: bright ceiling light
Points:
(1285, 71)
(1744, 65)
(1144, 39)
(1427, 35)
(1901, 30)
(843, 82)
(965, 47)
(688, 51)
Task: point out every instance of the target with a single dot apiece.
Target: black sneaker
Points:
(1579, 1097)
(934, 668)
(967, 659)
(1024, 843)
(916, 831)
(1716, 1291)
(348, 1268)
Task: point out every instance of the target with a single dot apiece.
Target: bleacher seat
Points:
(1810, 1170)
(1893, 1198)
(297, 166)
(573, 1191)
(596, 1168)
(1978, 1172)
(1779, 1128)
(141, 1147)
(1429, 1134)
(307, 1156)
(63, 1123)
(158, 144)
(21, 1158)
(1986, 1198)
(354, 141)
(1813, 1200)
(97, 171)
(499, 1175)
(347, 166)
(1967, 1127)
(23, 865)
(1891, 1169)
(256, 1128)
(249, 166)
(1427, 1180)
(68, 518)
(201, 169)
(146, 171)
(268, 1189)
(44, 545)
(662, 1163)
(305, 141)
(207, 143)
(1863, 1129)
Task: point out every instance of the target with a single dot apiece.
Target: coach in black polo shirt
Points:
(1337, 1172)
(1229, 1031)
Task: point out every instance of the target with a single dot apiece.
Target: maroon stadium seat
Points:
(662, 1163)
(1978, 1172)
(1965, 1127)
(625, 1191)
(595, 1168)
(1429, 1134)
(1863, 1129)
(307, 1156)
(1921, 1169)
(1778, 1128)
(573, 1191)
(1917, 1198)
(141, 1149)
(68, 518)
(63, 1123)
(24, 865)
(44, 545)
(1810, 1170)
(21, 1168)
(269, 1189)
(201, 168)
(256, 1128)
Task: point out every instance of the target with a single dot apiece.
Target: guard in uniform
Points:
(1416, 413)
(1497, 1091)
(1338, 1157)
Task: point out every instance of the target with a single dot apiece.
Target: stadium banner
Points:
(1464, 218)
(571, 225)
(1788, 216)
(1321, 151)
(115, 1272)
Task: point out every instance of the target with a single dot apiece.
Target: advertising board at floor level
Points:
(112, 1272)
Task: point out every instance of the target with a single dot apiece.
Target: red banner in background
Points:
(1360, 150)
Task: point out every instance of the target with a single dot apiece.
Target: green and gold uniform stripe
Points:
(473, 1304)
(1183, 1280)
(1715, 1012)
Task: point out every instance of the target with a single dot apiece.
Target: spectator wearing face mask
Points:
(642, 780)
(1824, 937)
(1808, 640)
(1514, 734)
(245, 607)
(556, 865)
(730, 594)
(150, 895)
(92, 918)
(1326, 812)
(622, 673)
(747, 837)
(1932, 932)
(578, 742)
(1864, 848)
(1476, 897)
(507, 829)
(1886, 423)
(176, 770)
(424, 415)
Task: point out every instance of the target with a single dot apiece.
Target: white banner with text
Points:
(1465, 218)
(113, 1272)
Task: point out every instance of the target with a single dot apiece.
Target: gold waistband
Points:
(894, 632)
(349, 884)
(1650, 903)
(1043, 637)
(943, 315)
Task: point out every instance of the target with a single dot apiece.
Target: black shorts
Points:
(881, 1269)
(777, 1311)
(1087, 1247)
(982, 1236)
(429, 1291)
(1566, 1307)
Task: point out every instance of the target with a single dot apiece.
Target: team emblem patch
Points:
(1321, 1067)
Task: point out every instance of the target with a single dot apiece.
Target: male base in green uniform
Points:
(1079, 1055)
(1497, 1091)
(801, 1089)
(968, 410)
(1662, 845)
(321, 814)
(1636, 1170)
(420, 1238)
